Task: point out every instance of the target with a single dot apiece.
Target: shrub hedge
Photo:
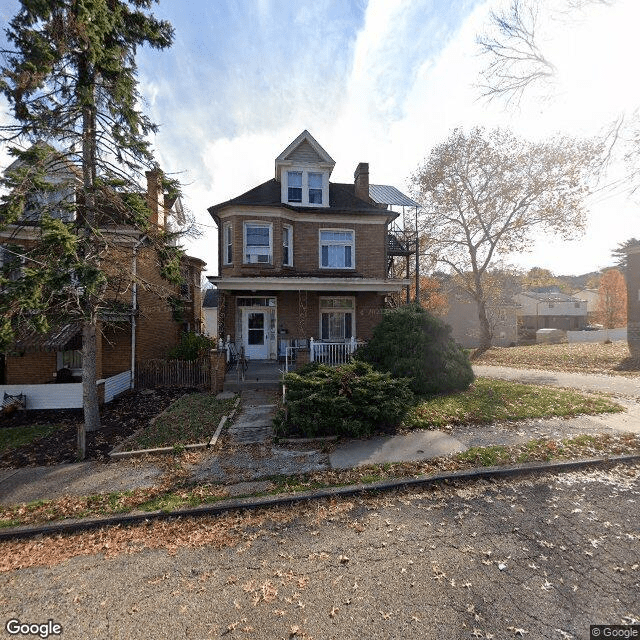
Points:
(351, 400)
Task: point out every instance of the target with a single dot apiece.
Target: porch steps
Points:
(260, 374)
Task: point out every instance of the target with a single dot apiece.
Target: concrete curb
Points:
(485, 473)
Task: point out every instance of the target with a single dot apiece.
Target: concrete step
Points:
(255, 385)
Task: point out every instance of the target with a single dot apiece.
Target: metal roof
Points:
(386, 194)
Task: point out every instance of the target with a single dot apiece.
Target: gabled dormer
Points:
(303, 170)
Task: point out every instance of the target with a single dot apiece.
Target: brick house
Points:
(147, 314)
(301, 257)
(633, 300)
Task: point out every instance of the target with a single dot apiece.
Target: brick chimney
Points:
(361, 181)
(155, 197)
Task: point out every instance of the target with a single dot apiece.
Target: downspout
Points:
(134, 306)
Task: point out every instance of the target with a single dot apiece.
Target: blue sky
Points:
(379, 81)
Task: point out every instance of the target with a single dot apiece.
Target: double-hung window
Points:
(294, 184)
(227, 243)
(315, 188)
(257, 243)
(336, 319)
(336, 249)
(287, 245)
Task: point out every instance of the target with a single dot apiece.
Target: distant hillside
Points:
(575, 283)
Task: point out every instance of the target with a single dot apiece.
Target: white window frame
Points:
(324, 308)
(304, 197)
(289, 229)
(257, 223)
(310, 188)
(301, 187)
(227, 243)
(351, 244)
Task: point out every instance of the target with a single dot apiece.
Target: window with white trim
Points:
(336, 319)
(227, 243)
(315, 188)
(258, 247)
(294, 184)
(287, 245)
(336, 249)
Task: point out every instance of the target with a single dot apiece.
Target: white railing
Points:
(332, 353)
(65, 395)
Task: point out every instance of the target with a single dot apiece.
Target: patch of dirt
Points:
(119, 419)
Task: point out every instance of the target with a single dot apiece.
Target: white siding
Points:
(304, 154)
(116, 385)
(48, 396)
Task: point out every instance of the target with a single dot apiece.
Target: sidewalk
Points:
(248, 453)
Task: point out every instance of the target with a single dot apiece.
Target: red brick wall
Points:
(31, 368)
(116, 349)
(369, 249)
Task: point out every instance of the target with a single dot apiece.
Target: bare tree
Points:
(484, 193)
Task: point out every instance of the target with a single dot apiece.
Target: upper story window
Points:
(58, 203)
(315, 188)
(227, 243)
(294, 186)
(336, 249)
(287, 245)
(305, 188)
(258, 246)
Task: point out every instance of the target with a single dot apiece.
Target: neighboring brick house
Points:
(633, 300)
(145, 320)
(549, 308)
(303, 257)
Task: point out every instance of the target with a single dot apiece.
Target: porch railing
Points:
(332, 353)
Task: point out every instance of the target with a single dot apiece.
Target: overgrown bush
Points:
(411, 343)
(192, 346)
(352, 400)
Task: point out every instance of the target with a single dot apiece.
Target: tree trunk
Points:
(89, 377)
(486, 335)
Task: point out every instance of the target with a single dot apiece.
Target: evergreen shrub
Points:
(352, 400)
(411, 343)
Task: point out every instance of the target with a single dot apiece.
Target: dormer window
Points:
(295, 186)
(315, 188)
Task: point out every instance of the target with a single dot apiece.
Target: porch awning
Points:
(309, 284)
(63, 338)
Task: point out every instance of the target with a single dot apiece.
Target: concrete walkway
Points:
(583, 381)
(248, 453)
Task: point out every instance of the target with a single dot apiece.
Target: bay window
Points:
(227, 249)
(257, 243)
(287, 245)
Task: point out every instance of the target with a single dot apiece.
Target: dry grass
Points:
(577, 357)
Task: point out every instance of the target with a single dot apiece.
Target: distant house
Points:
(549, 308)
(633, 300)
(590, 296)
(210, 312)
(462, 317)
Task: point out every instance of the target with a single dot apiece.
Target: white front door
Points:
(256, 343)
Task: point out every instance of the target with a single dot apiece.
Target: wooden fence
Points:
(173, 373)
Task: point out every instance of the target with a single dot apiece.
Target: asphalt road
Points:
(537, 558)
